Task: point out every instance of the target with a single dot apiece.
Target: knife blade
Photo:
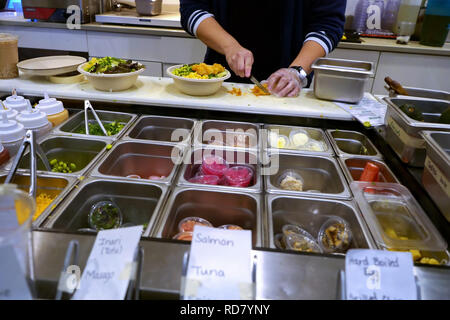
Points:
(259, 85)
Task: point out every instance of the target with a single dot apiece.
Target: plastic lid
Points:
(50, 105)
(16, 102)
(11, 114)
(10, 130)
(394, 217)
(32, 119)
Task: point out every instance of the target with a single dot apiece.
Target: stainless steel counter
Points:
(279, 275)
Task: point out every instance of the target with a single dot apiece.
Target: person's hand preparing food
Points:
(240, 60)
(284, 83)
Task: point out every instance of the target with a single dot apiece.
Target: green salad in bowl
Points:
(110, 65)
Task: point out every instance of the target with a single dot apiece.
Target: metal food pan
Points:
(52, 186)
(322, 176)
(80, 151)
(218, 207)
(352, 143)
(229, 134)
(436, 174)
(353, 167)
(140, 203)
(341, 80)
(142, 159)
(162, 129)
(76, 122)
(193, 162)
(311, 213)
(313, 133)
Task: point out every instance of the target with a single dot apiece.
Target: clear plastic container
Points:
(290, 180)
(183, 236)
(278, 141)
(105, 215)
(187, 224)
(54, 110)
(335, 235)
(238, 176)
(302, 242)
(395, 219)
(230, 227)
(205, 179)
(289, 229)
(214, 165)
(11, 134)
(17, 209)
(279, 241)
(298, 138)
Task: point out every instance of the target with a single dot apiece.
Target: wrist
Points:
(230, 46)
(302, 75)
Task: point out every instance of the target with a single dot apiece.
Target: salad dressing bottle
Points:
(16, 102)
(11, 134)
(54, 109)
(33, 119)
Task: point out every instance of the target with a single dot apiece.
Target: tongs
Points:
(35, 149)
(87, 106)
(395, 86)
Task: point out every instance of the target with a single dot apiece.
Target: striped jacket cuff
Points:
(195, 19)
(322, 39)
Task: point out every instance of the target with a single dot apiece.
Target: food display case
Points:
(148, 173)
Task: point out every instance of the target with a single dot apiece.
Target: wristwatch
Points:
(302, 75)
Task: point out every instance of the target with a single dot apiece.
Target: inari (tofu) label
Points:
(379, 275)
(219, 265)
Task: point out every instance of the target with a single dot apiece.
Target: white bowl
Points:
(197, 87)
(111, 82)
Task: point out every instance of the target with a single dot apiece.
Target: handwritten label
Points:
(8, 216)
(368, 111)
(404, 137)
(438, 176)
(219, 265)
(13, 285)
(108, 269)
(379, 275)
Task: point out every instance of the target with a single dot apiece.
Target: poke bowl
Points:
(111, 74)
(192, 83)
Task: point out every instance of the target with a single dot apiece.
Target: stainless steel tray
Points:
(311, 213)
(436, 174)
(402, 132)
(161, 129)
(193, 160)
(354, 166)
(352, 143)
(140, 203)
(220, 131)
(218, 207)
(142, 158)
(51, 185)
(84, 152)
(77, 121)
(314, 133)
(321, 175)
(341, 80)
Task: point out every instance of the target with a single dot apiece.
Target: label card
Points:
(219, 265)
(8, 216)
(379, 275)
(368, 111)
(108, 269)
(13, 285)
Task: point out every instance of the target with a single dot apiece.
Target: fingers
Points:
(248, 65)
(273, 80)
(294, 93)
(287, 89)
(241, 62)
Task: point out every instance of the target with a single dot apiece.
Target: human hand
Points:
(240, 60)
(284, 82)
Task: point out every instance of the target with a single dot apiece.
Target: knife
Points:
(259, 85)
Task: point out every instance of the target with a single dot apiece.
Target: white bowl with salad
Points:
(111, 74)
(198, 79)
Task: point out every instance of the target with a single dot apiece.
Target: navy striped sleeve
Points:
(326, 23)
(193, 12)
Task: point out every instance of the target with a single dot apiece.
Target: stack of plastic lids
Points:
(11, 134)
(33, 119)
(15, 102)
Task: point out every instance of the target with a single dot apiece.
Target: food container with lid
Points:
(11, 134)
(9, 56)
(335, 235)
(302, 242)
(11, 114)
(33, 119)
(396, 220)
(16, 102)
(436, 174)
(300, 140)
(54, 109)
(403, 132)
(183, 236)
(187, 224)
(341, 80)
(238, 176)
(214, 165)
